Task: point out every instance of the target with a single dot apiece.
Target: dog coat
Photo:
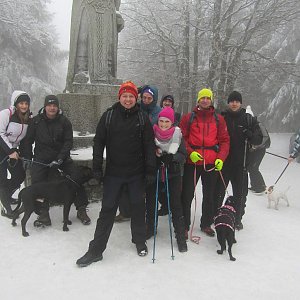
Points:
(225, 217)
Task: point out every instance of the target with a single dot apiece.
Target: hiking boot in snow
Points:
(120, 218)
(209, 231)
(182, 246)
(239, 226)
(88, 259)
(82, 216)
(141, 249)
(42, 220)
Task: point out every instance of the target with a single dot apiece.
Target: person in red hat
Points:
(126, 133)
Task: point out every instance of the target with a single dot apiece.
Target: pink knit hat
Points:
(168, 113)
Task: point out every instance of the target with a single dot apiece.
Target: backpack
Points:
(109, 116)
(266, 141)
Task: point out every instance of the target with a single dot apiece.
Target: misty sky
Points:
(62, 20)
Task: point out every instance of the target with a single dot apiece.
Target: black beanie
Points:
(235, 96)
(167, 97)
(51, 99)
(22, 97)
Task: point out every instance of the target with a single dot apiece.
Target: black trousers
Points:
(41, 173)
(256, 179)
(16, 170)
(174, 185)
(239, 182)
(124, 204)
(112, 187)
(208, 180)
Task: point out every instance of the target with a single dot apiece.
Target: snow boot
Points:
(6, 210)
(82, 216)
(120, 218)
(44, 217)
(88, 258)
(180, 234)
(209, 231)
(141, 249)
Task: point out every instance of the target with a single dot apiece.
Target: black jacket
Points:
(130, 150)
(237, 126)
(53, 138)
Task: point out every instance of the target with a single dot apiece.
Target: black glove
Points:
(167, 158)
(98, 175)
(55, 164)
(247, 133)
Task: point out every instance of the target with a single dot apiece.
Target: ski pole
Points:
(276, 155)
(155, 216)
(281, 173)
(169, 212)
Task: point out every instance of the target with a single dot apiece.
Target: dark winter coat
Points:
(238, 125)
(203, 134)
(53, 138)
(130, 150)
(296, 146)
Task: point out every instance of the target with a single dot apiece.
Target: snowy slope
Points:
(42, 266)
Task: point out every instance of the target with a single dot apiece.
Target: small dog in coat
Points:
(274, 196)
(225, 226)
(64, 189)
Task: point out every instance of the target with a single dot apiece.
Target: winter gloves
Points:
(195, 157)
(55, 164)
(218, 164)
(167, 158)
(247, 133)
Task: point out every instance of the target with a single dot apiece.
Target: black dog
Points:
(225, 226)
(64, 188)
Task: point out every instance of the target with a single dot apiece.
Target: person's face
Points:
(51, 111)
(22, 106)
(127, 100)
(167, 103)
(234, 105)
(205, 102)
(164, 124)
(147, 98)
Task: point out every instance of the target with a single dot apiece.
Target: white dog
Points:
(275, 196)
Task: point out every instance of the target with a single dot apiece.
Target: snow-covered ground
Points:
(42, 266)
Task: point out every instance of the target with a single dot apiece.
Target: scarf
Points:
(167, 140)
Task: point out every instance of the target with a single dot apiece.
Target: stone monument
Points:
(92, 85)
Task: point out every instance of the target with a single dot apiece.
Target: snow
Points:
(42, 266)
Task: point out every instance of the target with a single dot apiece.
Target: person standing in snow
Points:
(207, 143)
(170, 156)
(52, 134)
(296, 148)
(13, 127)
(130, 159)
(242, 133)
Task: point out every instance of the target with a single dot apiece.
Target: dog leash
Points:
(276, 155)
(194, 238)
(67, 176)
(281, 173)
(34, 162)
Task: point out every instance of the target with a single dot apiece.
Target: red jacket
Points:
(203, 134)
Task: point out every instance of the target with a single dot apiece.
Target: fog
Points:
(61, 10)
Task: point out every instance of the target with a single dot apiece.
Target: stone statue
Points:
(95, 26)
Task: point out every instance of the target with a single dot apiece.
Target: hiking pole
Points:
(276, 155)
(281, 173)
(239, 215)
(155, 216)
(169, 212)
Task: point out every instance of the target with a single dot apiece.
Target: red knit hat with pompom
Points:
(128, 87)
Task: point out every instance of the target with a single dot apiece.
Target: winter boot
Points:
(88, 259)
(180, 234)
(6, 210)
(141, 249)
(209, 231)
(82, 216)
(44, 217)
(120, 218)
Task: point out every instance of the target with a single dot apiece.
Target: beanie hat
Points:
(234, 96)
(51, 99)
(22, 97)
(152, 90)
(128, 87)
(167, 97)
(205, 93)
(167, 113)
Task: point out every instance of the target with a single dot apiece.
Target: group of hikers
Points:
(151, 153)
